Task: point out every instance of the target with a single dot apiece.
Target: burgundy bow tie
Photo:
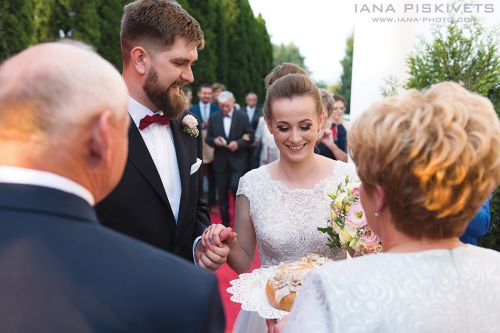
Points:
(148, 120)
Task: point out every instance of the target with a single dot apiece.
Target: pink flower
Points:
(356, 215)
(355, 191)
(368, 237)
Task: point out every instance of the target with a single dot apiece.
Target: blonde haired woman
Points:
(427, 161)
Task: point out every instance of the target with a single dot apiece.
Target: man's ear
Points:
(100, 141)
(140, 59)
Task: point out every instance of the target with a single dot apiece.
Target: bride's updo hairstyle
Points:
(436, 154)
(286, 81)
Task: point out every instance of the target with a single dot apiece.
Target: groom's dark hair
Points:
(155, 24)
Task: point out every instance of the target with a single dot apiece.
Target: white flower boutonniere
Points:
(190, 124)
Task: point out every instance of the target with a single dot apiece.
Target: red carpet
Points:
(226, 274)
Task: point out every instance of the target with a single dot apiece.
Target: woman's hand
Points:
(216, 235)
(275, 326)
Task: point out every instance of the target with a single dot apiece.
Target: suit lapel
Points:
(183, 162)
(234, 123)
(139, 156)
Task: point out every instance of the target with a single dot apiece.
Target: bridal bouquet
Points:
(347, 227)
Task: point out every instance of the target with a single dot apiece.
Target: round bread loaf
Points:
(286, 302)
(282, 288)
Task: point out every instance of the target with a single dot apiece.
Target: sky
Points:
(318, 27)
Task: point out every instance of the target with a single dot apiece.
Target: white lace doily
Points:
(250, 290)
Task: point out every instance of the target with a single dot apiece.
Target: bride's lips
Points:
(296, 148)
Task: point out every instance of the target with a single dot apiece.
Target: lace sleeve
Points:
(244, 185)
(311, 309)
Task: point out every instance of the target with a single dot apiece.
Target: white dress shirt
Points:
(160, 143)
(16, 175)
(205, 111)
(250, 112)
(227, 123)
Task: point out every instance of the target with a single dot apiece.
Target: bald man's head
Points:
(48, 86)
(63, 109)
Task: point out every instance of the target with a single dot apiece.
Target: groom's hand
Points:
(214, 247)
(211, 258)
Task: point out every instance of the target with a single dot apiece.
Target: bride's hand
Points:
(216, 235)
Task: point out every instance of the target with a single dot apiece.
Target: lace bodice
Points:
(286, 220)
(432, 291)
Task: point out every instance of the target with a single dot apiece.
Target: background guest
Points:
(339, 111)
(254, 114)
(188, 93)
(332, 139)
(269, 152)
(479, 225)
(217, 88)
(229, 132)
(203, 110)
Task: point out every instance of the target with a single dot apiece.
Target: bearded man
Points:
(158, 200)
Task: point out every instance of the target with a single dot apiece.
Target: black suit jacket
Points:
(195, 109)
(224, 159)
(63, 272)
(255, 119)
(139, 206)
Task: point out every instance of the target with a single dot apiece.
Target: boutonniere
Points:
(190, 124)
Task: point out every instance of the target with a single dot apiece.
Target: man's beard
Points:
(172, 104)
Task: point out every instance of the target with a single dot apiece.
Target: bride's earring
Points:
(376, 214)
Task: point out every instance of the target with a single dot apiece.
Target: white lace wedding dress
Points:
(286, 221)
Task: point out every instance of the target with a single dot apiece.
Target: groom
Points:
(158, 200)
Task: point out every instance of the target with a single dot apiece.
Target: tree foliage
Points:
(238, 50)
(468, 54)
(346, 77)
(288, 53)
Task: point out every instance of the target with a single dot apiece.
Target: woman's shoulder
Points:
(340, 170)
(252, 180)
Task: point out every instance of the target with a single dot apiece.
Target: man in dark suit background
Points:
(63, 144)
(203, 110)
(158, 199)
(230, 133)
(253, 113)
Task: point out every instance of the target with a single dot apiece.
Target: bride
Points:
(280, 205)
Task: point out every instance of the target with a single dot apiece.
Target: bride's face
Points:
(295, 126)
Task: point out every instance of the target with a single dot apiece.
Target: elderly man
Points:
(229, 132)
(158, 199)
(63, 144)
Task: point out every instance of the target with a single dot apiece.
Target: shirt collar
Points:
(17, 175)
(137, 111)
(229, 115)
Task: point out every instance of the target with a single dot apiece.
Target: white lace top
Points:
(286, 220)
(432, 291)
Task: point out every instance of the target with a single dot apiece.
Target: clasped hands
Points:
(214, 246)
(221, 142)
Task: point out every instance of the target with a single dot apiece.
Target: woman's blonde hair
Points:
(436, 154)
